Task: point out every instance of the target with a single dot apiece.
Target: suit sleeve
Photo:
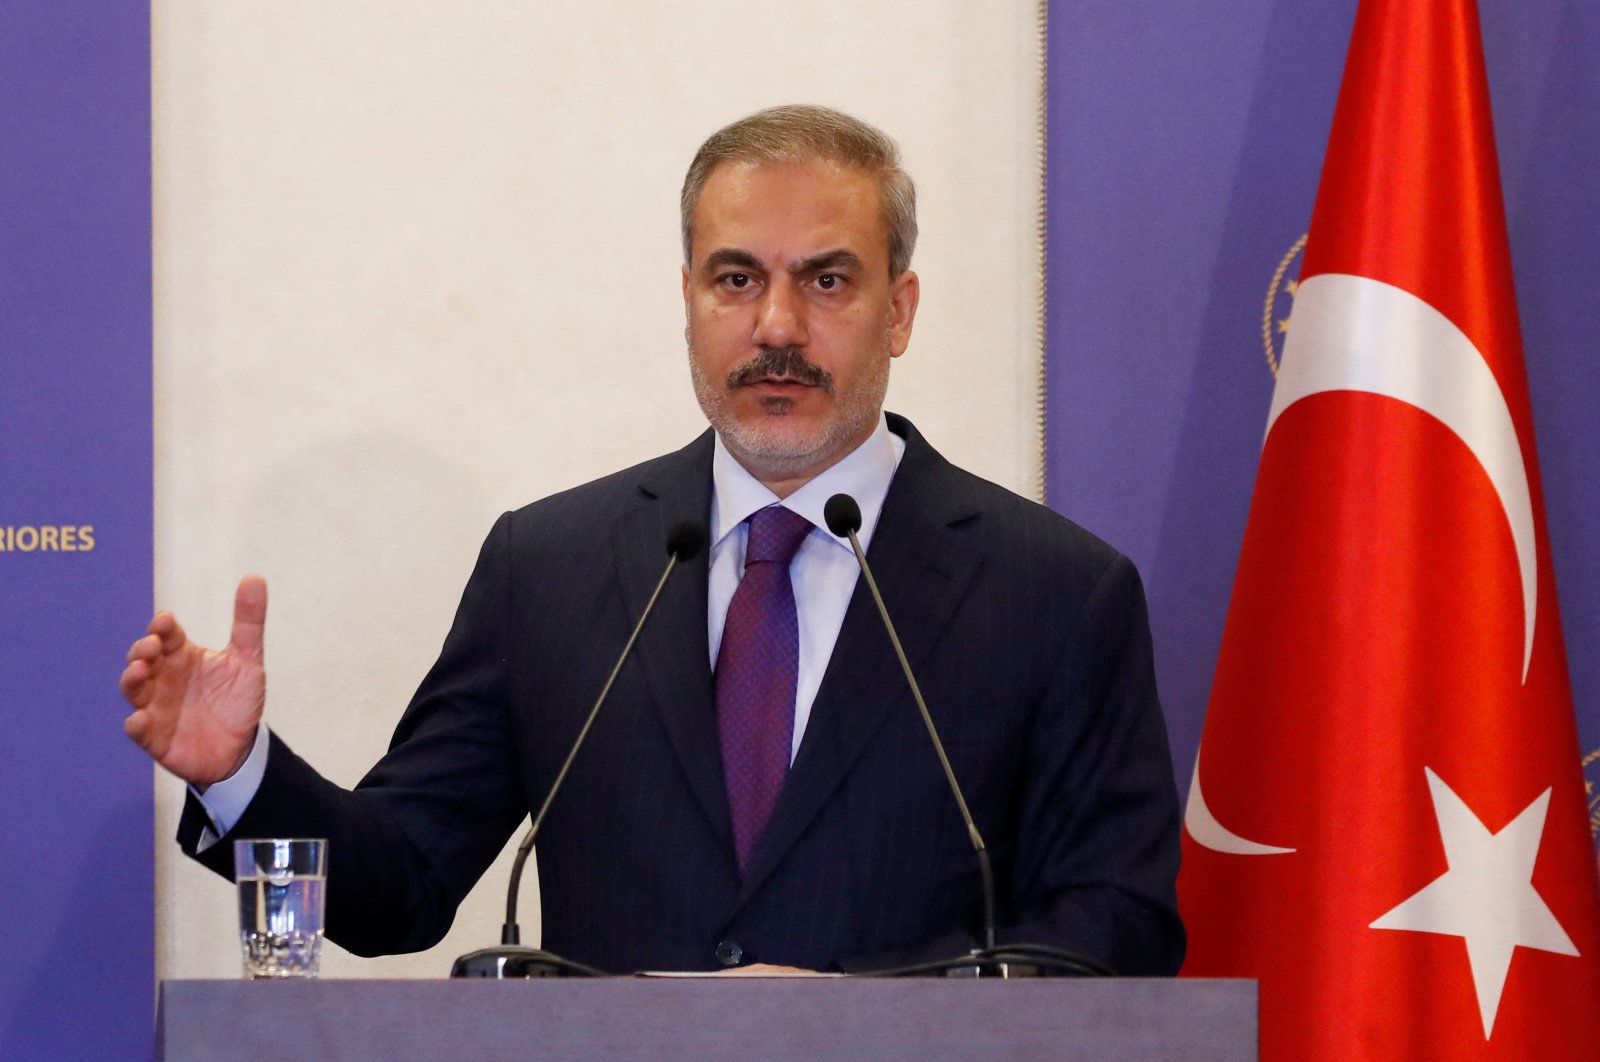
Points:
(1096, 862)
(408, 843)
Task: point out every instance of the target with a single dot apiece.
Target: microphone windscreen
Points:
(686, 539)
(842, 514)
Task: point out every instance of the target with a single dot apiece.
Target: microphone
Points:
(511, 960)
(843, 517)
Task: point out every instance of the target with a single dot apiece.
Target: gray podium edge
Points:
(728, 1018)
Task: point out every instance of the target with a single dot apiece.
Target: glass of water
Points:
(281, 884)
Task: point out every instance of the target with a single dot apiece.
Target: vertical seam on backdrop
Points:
(1041, 236)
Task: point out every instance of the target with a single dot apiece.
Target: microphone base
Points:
(514, 963)
(1011, 961)
(993, 968)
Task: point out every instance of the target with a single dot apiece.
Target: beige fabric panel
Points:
(417, 263)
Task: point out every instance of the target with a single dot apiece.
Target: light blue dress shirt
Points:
(824, 570)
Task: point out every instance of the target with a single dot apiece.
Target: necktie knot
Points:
(775, 535)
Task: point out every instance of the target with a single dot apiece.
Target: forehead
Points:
(781, 211)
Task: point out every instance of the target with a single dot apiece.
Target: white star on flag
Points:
(1487, 896)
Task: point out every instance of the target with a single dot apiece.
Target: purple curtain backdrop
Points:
(1185, 143)
(77, 890)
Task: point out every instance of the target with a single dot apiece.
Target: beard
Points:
(772, 444)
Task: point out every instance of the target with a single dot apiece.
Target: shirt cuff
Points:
(224, 802)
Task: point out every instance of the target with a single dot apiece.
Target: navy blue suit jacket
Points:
(1029, 637)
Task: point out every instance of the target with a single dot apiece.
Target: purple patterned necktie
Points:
(756, 671)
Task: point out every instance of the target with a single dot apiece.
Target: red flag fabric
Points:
(1392, 832)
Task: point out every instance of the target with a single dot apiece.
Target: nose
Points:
(780, 317)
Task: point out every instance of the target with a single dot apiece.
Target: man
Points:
(759, 787)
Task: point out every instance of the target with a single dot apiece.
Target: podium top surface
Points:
(709, 1018)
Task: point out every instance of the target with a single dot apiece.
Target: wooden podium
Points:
(739, 1018)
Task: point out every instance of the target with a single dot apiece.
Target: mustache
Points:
(788, 362)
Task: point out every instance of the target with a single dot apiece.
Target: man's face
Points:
(792, 317)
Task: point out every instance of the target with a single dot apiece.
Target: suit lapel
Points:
(923, 568)
(672, 647)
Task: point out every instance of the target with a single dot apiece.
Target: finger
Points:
(137, 726)
(168, 631)
(249, 616)
(146, 648)
(138, 683)
(161, 625)
(133, 684)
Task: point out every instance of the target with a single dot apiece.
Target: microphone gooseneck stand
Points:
(513, 960)
(843, 517)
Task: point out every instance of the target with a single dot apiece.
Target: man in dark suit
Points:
(759, 788)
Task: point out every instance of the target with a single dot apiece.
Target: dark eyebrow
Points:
(734, 258)
(840, 259)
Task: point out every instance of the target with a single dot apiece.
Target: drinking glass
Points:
(281, 896)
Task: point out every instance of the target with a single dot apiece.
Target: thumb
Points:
(249, 616)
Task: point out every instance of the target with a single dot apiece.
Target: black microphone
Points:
(511, 960)
(843, 517)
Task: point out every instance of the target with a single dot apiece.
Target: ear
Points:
(904, 291)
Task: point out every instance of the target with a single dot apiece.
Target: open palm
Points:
(195, 710)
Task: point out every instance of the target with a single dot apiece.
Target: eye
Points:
(830, 281)
(736, 281)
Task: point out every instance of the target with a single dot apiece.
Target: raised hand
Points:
(195, 710)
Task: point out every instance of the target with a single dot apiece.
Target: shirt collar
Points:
(864, 474)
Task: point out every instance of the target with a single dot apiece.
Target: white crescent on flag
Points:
(1358, 334)
(1206, 830)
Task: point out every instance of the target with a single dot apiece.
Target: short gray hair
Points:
(804, 133)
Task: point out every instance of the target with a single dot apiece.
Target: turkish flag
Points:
(1392, 832)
